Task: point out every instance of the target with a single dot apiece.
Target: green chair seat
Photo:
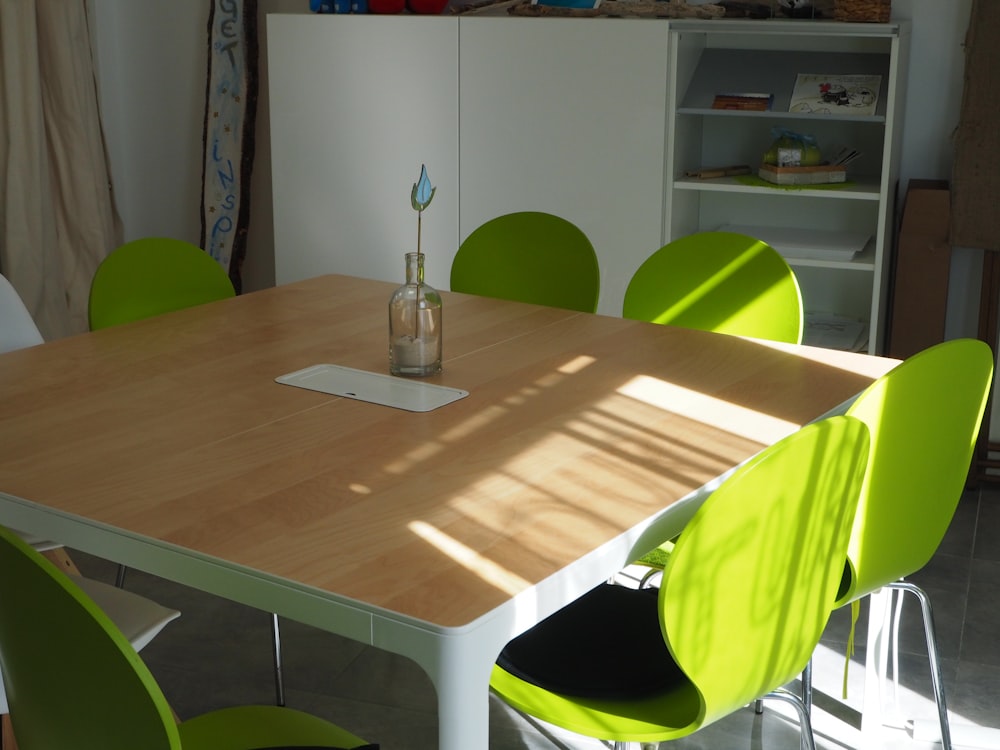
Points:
(718, 281)
(265, 727)
(744, 599)
(529, 256)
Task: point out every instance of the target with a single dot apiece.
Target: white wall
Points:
(151, 69)
(934, 97)
(151, 61)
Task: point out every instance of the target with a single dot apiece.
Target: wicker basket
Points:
(862, 10)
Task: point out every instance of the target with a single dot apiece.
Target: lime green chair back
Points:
(745, 595)
(151, 276)
(718, 281)
(74, 681)
(924, 417)
(88, 690)
(529, 257)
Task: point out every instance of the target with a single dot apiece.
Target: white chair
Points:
(139, 618)
(17, 329)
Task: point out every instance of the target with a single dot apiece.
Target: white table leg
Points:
(463, 691)
(459, 665)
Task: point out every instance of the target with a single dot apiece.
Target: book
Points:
(824, 94)
(745, 102)
(822, 174)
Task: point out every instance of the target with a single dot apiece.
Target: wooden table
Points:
(585, 440)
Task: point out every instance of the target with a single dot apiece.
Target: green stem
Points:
(416, 322)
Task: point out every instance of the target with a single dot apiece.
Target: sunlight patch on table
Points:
(576, 364)
(482, 420)
(469, 559)
(849, 362)
(701, 407)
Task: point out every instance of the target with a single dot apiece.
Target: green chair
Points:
(744, 599)
(924, 417)
(154, 275)
(106, 698)
(529, 257)
(718, 281)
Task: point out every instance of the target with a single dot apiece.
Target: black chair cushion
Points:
(606, 645)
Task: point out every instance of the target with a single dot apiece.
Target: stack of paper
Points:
(835, 332)
(797, 243)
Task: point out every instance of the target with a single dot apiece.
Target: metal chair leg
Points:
(937, 681)
(279, 680)
(807, 692)
(807, 687)
(648, 579)
(806, 739)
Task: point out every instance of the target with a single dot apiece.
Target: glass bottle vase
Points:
(415, 324)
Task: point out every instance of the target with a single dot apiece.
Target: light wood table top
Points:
(577, 428)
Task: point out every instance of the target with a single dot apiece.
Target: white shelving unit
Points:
(709, 58)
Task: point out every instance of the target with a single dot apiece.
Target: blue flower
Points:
(423, 192)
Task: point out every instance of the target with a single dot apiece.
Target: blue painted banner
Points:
(228, 136)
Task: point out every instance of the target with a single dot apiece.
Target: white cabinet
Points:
(358, 103)
(509, 114)
(567, 116)
(811, 226)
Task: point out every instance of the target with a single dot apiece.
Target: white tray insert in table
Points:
(373, 387)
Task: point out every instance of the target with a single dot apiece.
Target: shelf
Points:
(775, 115)
(724, 70)
(787, 27)
(863, 188)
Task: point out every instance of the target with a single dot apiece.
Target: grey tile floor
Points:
(218, 654)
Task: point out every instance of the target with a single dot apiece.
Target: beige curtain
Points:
(57, 215)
